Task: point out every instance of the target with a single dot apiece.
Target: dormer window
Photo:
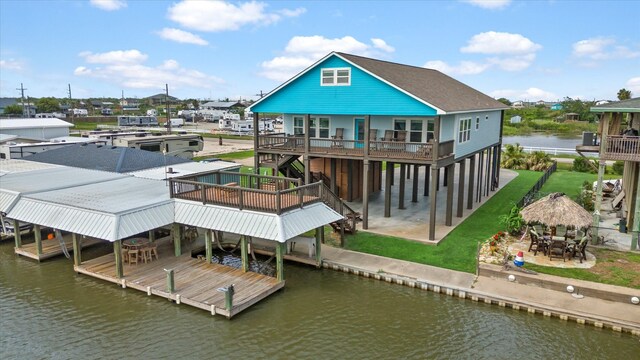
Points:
(335, 77)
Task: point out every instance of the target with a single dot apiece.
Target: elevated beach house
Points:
(349, 119)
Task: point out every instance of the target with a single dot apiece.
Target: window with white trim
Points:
(335, 77)
(298, 125)
(478, 123)
(464, 130)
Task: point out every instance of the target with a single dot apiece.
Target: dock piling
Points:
(171, 286)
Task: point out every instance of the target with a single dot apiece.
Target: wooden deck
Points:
(51, 248)
(196, 282)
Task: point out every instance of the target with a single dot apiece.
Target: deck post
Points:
(387, 190)
(37, 234)
(17, 236)
(177, 238)
(403, 171)
(414, 189)
(436, 179)
(244, 253)
(349, 180)
(332, 165)
(472, 169)
(77, 249)
(280, 261)
(256, 143)
(117, 252)
(307, 144)
(152, 235)
(445, 177)
(427, 176)
(319, 235)
(171, 285)
(461, 171)
(434, 204)
(480, 176)
(635, 232)
(208, 244)
(365, 194)
(449, 171)
(601, 168)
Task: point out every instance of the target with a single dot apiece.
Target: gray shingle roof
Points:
(630, 105)
(428, 85)
(105, 158)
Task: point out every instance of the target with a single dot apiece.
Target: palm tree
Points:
(624, 94)
(538, 161)
(513, 157)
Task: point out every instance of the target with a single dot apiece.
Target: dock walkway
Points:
(196, 283)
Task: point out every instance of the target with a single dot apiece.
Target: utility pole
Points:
(22, 89)
(168, 113)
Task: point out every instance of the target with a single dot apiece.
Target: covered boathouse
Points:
(349, 121)
(90, 205)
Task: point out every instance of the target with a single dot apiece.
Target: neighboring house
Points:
(222, 105)
(160, 99)
(556, 106)
(42, 129)
(619, 143)
(346, 115)
(518, 104)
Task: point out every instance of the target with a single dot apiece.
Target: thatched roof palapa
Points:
(557, 209)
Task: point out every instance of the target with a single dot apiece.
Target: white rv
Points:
(242, 126)
(107, 136)
(178, 145)
(124, 120)
(18, 150)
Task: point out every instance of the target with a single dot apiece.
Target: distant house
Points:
(516, 119)
(519, 104)
(222, 105)
(160, 99)
(556, 106)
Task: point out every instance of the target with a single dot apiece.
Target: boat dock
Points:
(195, 282)
(51, 248)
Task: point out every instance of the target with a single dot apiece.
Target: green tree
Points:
(47, 105)
(13, 109)
(538, 161)
(582, 108)
(513, 157)
(624, 94)
(505, 101)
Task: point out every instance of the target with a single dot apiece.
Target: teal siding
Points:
(487, 134)
(366, 96)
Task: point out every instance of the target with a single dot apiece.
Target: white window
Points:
(477, 123)
(318, 127)
(298, 125)
(464, 130)
(416, 130)
(335, 77)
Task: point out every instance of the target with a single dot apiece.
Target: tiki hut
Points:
(557, 209)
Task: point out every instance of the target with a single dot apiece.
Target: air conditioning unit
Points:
(588, 139)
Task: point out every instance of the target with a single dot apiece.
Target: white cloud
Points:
(302, 51)
(511, 52)
(126, 68)
(633, 85)
(602, 48)
(223, 16)
(115, 57)
(109, 5)
(11, 64)
(492, 42)
(181, 36)
(489, 4)
(530, 94)
(382, 45)
(463, 68)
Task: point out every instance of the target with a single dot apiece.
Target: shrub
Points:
(581, 164)
(618, 167)
(513, 221)
(585, 198)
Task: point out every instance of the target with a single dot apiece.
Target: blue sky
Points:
(521, 50)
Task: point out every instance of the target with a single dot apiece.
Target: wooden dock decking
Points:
(196, 282)
(51, 248)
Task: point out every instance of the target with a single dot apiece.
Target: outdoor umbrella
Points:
(557, 209)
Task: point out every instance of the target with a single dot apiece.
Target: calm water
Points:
(543, 140)
(47, 311)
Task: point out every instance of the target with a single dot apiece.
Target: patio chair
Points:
(388, 136)
(537, 243)
(558, 248)
(561, 233)
(154, 250)
(401, 137)
(133, 257)
(539, 229)
(580, 248)
(373, 134)
(338, 137)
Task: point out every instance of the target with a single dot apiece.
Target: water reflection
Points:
(48, 311)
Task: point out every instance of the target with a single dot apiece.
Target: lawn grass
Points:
(87, 125)
(612, 267)
(457, 251)
(236, 155)
(569, 182)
